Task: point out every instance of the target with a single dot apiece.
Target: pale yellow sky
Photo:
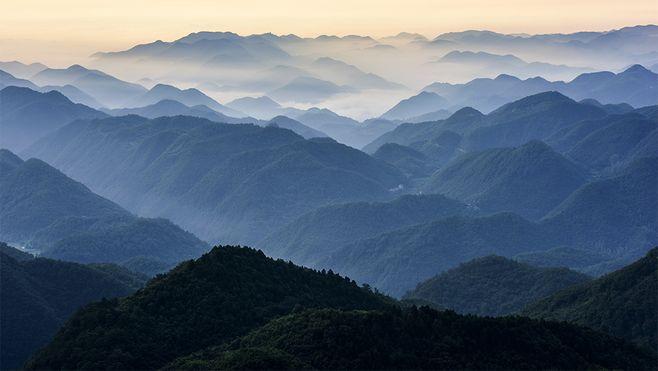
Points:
(55, 31)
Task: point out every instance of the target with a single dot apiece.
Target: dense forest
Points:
(417, 339)
(224, 294)
(493, 286)
(623, 303)
(38, 295)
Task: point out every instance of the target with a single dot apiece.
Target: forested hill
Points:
(39, 294)
(417, 339)
(493, 285)
(623, 303)
(224, 294)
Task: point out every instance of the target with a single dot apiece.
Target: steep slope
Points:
(28, 115)
(224, 294)
(416, 339)
(529, 180)
(222, 182)
(396, 261)
(38, 295)
(319, 233)
(611, 216)
(7, 79)
(622, 303)
(60, 218)
(424, 102)
(493, 286)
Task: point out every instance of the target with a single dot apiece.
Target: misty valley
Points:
(475, 200)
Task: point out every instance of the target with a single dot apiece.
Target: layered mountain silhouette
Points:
(228, 182)
(22, 70)
(635, 86)
(28, 115)
(493, 286)
(308, 90)
(189, 97)
(622, 303)
(60, 218)
(423, 103)
(38, 295)
(107, 89)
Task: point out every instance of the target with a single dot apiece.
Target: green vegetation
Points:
(623, 303)
(47, 211)
(417, 339)
(322, 232)
(39, 294)
(529, 180)
(493, 286)
(221, 182)
(224, 294)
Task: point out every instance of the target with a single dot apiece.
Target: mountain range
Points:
(222, 182)
(60, 218)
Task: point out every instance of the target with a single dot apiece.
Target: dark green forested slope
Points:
(623, 303)
(529, 180)
(201, 303)
(49, 212)
(38, 295)
(321, 232)
(417, 339)
(493, 286)
(220, 181)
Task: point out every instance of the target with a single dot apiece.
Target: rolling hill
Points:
(529, 180)
(622, 303)
(43, 209)
(493, 286)
(321, 232)
(424, 102)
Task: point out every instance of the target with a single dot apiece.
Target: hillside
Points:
(396, 261)
(321, 232)
(613, 216)
(623, 303)
(416, 339)
(43, 209)
(222, 295)
(221, 182)
(529, 180)
(28, 115)
(189, 97)
(38, 295)
(535, 117)
(493, 286)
